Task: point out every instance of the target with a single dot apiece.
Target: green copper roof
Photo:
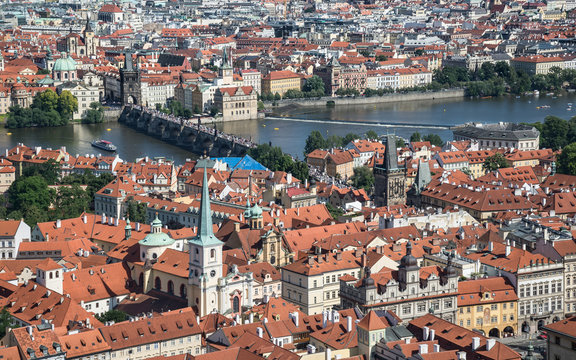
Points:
(205, 236)
(156, 236)
(65, 63)
(256, 211)
(128, 226)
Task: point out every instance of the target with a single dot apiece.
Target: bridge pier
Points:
(199, 141)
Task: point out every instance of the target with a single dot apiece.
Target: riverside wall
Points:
(361, 100)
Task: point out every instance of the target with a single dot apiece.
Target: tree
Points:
(381, 58)
(67, 105)
(43, 72)
(567, 160)
(415, 137)
(277, 97)
(197, 109)
(136, 211)
(31, 192)
(348, 138)
(261, 105)
(495, 162)
(112, 315)
(300, 170)
(363, 178)
(433, 139)
(5, 321)
(71, 202)
(314, 141)
(95, 114)
(49, 170)
(371, 135)
(314, 83)
(334, 211)
(419, 52)
(46, 101)
(554, 133)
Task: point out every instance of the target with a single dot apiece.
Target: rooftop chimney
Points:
(475, 343)
(259, 332)
(349, 323)
(490, 344)
(423, 349)
(425, 333)
(432, 334)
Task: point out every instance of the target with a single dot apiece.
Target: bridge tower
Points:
(130, 82)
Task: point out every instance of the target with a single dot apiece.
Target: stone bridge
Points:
(185, 133)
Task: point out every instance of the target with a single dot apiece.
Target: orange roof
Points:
(372, 322)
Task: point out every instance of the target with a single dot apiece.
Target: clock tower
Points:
(389, 178)
(205, 260)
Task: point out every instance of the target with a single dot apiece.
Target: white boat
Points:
(104, 145)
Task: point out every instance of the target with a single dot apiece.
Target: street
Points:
(521, 343)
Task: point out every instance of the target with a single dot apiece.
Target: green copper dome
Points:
(65, 63)
(256, 211)
(156, 236)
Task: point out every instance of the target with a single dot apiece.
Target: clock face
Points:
(213, 273)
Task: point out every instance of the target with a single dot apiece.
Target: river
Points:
(402, 118)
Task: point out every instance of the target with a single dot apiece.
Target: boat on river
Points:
(104, 145)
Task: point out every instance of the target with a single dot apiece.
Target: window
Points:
(468, 322)
(479, 308)
(557, 340)
(479, 321)
(494, 307)
(494, 319)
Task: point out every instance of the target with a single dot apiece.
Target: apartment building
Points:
(313, 282)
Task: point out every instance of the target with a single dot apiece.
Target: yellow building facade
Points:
(488, 306)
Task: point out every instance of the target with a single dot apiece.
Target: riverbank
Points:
(362, 100)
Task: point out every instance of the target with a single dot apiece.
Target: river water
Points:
(402, 118)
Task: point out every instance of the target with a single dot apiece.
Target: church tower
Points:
(130, 92)
(408, 271)
(390, 179)
(89, 39)
(226, 71)
(205, 262)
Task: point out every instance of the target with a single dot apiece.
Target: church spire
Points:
(390, 155)
(205, 236)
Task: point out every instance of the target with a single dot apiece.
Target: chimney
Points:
(58, 224)
(103, 221)
(349, 323)
(137, 226)
(423, 349)
(251, 318)
(324, 319)
(425, 333)
(461, 355)
(260, 332)
(436, 348)
(407, 341)
(490, 246)
(508, 249)
(475, 343)
(328, 354)
(84, 219)
(116, 221)
(432, 335)
(295, 318)
(490, 344)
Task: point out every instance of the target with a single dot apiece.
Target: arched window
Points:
(66, 76)
(213, 254)
(236, 304)
(154, 255)
(157, 283)
(183, 291)
(170, 287)
(50, 275)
